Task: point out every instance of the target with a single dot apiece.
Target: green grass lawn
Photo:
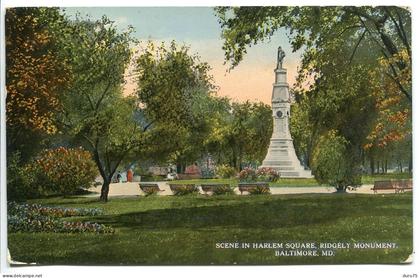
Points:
(166, 230)
(367, 179)
(370, 179)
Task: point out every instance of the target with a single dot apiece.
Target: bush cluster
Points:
(65, 170)
(208, 173)
(225, 171)
(335, 163)
(37, 218)
(263, 174)
(260, 190)
(185, 189)
(21, 182)
(247, 175)
(223, 189)
(56, 171)
(267, 174)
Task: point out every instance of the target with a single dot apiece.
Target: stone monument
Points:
(281, 154)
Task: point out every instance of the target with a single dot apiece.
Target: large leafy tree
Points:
(36, 75)
(94, 110)
(347, 53)
(392, 127)
(174, 91)
(240, 133)
(323, 33)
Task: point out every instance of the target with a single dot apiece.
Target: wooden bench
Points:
(210, 187)
(399, 186)
(150, 188)
(253, 186)
(402, 185)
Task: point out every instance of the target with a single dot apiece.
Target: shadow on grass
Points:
(267, 213)
(182, 230)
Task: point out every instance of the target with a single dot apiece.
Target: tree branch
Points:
(103, 95)
(357, 45)
(406, 42)
(97, 159)
(397, 26)
(400, 86)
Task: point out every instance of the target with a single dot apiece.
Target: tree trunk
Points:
(410, 163)
(372, 165)
(240, 161)
(341, 188)
(234, 162)
(105, 190)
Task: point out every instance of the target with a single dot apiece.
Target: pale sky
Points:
(198, 28)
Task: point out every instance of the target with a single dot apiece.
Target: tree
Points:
(333, 162)
(241, 133)
(303, 128)
(322, 32)
(346, 51)
(392, 126)
(36, 76)
(94, 110)
(174, 89)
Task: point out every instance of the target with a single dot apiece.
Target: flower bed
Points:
(267, 174)
(37, 218)
(247, 175)
(264, 174)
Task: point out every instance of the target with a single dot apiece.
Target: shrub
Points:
(263, 174)
(247, 175)
(260, 190)
(225, 171)
(37, 218)
(334, 162)
(223, 189)
(21, 180)
(148, 191)
(267, 174)
(64, 170)
(207, 173)
(184, 189)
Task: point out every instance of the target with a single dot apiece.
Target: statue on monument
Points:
(280, 57)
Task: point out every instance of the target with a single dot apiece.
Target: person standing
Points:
(130, 175)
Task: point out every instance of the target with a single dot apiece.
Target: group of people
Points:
(129, 175)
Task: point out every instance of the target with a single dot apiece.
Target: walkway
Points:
(132, 189)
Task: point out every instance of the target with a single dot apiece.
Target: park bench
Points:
(253, 186)
(150, 188)
(211, 187)
(402, 185)
(399, 186)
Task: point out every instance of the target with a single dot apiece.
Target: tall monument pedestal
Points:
(281, 154)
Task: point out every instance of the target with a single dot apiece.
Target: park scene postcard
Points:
(247, 135)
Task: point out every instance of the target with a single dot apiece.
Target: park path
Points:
(132, 189)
